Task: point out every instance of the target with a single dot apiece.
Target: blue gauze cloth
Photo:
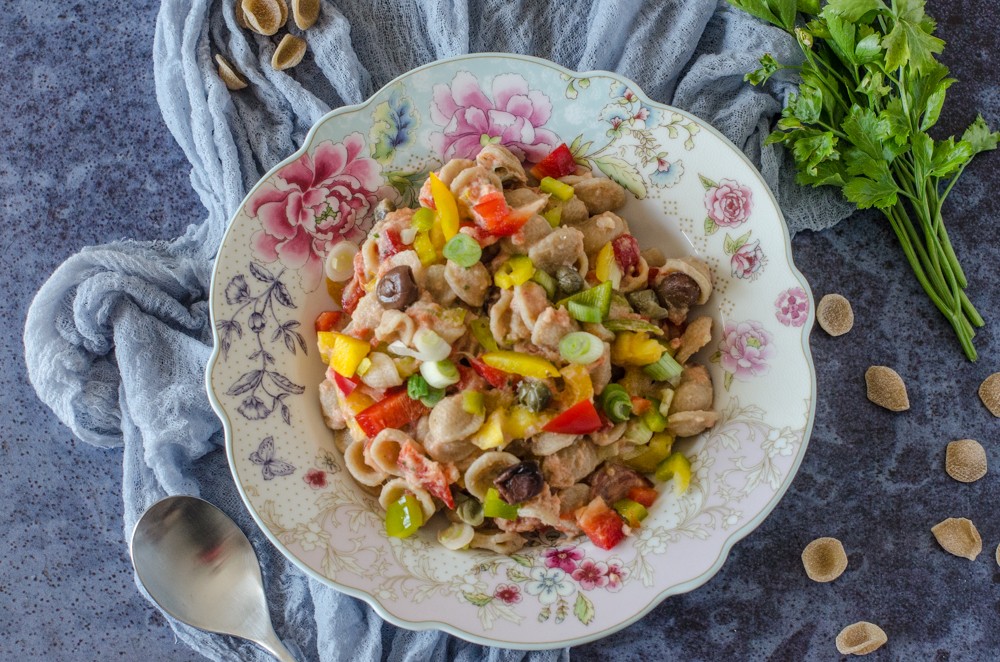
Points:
(117, 340)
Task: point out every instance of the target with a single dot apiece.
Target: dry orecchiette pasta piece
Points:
(697, 334)
(690, 423)
(564, 246)
(637, 280)
(547, 443)
(436, 283)
(265, 16)
(958, 536)
(609, 436)
(450, 427)
(329, 402)
(397, 487)
(694, 392)
(570, 465)
(470, 284)
(290, 51)
(654, 257)
(886, 388)
(480, 474)
(518, 197)
(354, 459)
(861, 638)
(824, 559)
(383, 452)
(599, 194)
(571, 211)
(965, 460)
(305, 12)
(395, 325)
(230, 75)
(241, 19)
(835, 315)
(382, 373)
(501, 542)
(599, 230)
(500, 160)
(989, 393)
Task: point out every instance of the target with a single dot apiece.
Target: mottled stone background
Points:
(85, 158)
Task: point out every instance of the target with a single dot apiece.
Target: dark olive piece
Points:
(397, 289)
(490, 252)
(520, 482)
(678, 290)
(382, 210)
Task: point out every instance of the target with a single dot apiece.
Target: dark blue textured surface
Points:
(85, 158)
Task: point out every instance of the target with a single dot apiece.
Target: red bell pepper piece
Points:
(327, 320)
(626, 250)
(395, 410)
(345, 384)
(494, 215)
(558, 163)
(418, 469)
(581, 418)
(495, 378)
(640, 406)
(644, 495)
(389, 243)
(652, 276)
(355, 288)
(603, 526)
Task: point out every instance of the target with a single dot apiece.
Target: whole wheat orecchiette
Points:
(507, 357)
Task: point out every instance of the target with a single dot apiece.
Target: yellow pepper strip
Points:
(324, 342)
(347, 354)
(635, 348)
(519, 363)
(522, 423)
(606, 267)
(357, 402)
(447, 208)
(649, 459)
(578, 384)
(490, 434)
(473, 403)
(518, 270)
(678, 467)
(424, 247)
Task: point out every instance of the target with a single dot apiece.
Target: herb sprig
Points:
(870, 90)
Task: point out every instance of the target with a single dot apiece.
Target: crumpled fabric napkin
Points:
(117, 340)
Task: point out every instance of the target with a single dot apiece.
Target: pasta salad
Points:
(508, 360)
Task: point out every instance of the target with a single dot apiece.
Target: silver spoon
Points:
(199, 567)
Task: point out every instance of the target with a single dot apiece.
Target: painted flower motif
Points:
(728, 203)
(617, 574)
(564, 558)
(253, 409)
(667, 173)
(618, 116)
(732, 519)
(651, 541)
(313, 536)
(792, 307)
(747, 261)
(777, 444)
(315, 479)
(591, 575)
(514, 117)
(313, 203)
(393, 126)
(507, 593)
(622, 92)
(548, 584)
(745, 349)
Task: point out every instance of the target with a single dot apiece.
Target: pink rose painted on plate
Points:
(591, 574)
(792, 307)
(744, 351)
(747, 261)
(314, 202)
(728, 203)
(514, 117)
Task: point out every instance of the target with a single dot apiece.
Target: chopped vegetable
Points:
(631, 511)
(494, 215)
(632, 325)
(653, 419)
(495, 378)
(346, 384)
(494, 506)
(606, 268)
(463, 250)
(556, 188)
(456, 535)
(579, 385)
(425, 249)
(418, 389)
(473, 403)
(430, 346)
(546, 281)
(640, 405)
(581, 418)
(423, 219)
(584, 313)
(616, 403)
(490, 434)
(635, 349)
(481, 330)
(395, 410)
(469, 510)
(645, 303)
(520, 423)
(601, 524)
(558, 163)
(324, 343)
(519, 363)
(598, 298)
(518, 270)
(339, 265)
(533, 394)
(404, 517)
(626, 249)
(327, 320)
(644, 495)
(664, 369)
(347, 354)
(637, 432)
(447, 208)
(678, 467)
(440, 374)
(553, 216)
(581, 347)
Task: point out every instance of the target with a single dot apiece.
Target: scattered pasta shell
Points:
(958, 536)
(861, 638)
(886, 388)
(289, 52)
(264, 16)
(824, 559)
(241, 17)
(965, 460)
(989, 393)
(835, 315)
(283, 6)
(305, 12)
(998, 555)
(233, 79)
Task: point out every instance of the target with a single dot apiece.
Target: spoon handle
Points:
(273, 645)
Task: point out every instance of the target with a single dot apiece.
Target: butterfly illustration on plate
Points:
(270, 467)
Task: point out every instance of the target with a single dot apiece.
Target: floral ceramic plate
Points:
(692, 193)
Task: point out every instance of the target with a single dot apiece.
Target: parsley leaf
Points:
(979, 137)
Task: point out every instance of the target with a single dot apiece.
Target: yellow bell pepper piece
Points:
(324, 343)
(579, 386)
(606, 267)
(424, 246)
(518, 270)
(655, 452)
(553, 216)
(447, 208)
(490, 434)
(635, 348)
(519, 363)
(521, 423)
(677, 467)
(357, 401)
(347, 354)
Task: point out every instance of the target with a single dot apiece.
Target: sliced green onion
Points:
(472, 403)
(494, 506)
(581, 347)
(458, 535)
(665, 369)
(631, 511)
(417, 387)
(423, 219)
(363, 367)
(463, 250)
(340, 262)
(637, 432)
(434, 396)
(470, 511)
(584, 313)
(481, 331)
(653, 419)
(632, 325)
(598, 298)
(430, 346)
(666, 399)
(546, 281)
(553, 216)
(439, 374)
(556, 188)
(403, 517)
(616, 403)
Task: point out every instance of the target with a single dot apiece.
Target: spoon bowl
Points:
(199, 567)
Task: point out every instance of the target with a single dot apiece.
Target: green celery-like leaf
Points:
(949, 156)
(757, 8)
(866, 193)
(867, 49)
(808, 104)
(842, 38)
(922, 149)
(853, 10)
(866, 130)
(785, 10)
(898, 121)
(910, 41)
(808, 6)
(828, 173)
(979, 136)
(813, 149)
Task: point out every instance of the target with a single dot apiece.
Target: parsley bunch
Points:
(870, 90)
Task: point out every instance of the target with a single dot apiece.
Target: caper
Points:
(568, 280)
(645, 303)
(396, 289)
(533, 394)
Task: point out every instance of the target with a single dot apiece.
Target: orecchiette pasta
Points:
(354, 459)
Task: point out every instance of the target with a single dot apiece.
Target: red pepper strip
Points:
(494, 215)
(355, 289)
(395, 410)
(644, 495)
(558, 163)
(652, 276)
(327, 320)
(626, 250)
(345, 384)
(639, 407)
(495, 378)
(390, 243)
(420, 470)
(581, 418)
(602, 525)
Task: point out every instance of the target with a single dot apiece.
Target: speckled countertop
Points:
(85, 158)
